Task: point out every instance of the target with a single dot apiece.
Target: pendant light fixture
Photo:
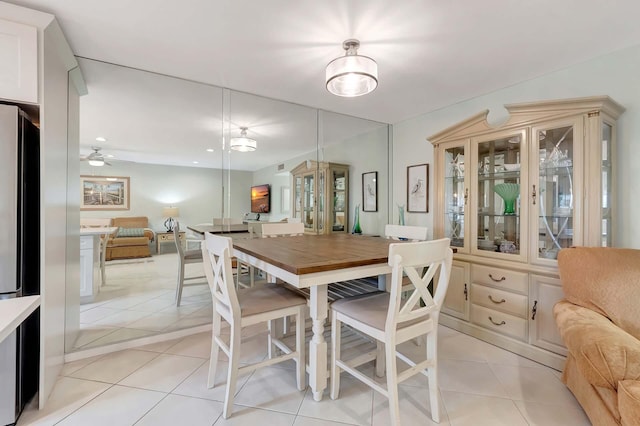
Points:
(243, 143)
(352, 75)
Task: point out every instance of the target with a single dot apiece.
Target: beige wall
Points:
(197, 192)
(615, 74)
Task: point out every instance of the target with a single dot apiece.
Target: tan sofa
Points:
(599, 321)
(128, 247)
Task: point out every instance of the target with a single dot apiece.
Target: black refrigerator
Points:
(19, 256)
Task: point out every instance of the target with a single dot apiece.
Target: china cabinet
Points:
(321, 196)
(509, 198)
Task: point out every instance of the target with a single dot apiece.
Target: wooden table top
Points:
(317, 253)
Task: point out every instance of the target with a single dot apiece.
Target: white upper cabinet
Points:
(19, 59)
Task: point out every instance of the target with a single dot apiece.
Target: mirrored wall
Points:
(170, 141)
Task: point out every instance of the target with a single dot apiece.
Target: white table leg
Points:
(384, 282)
(103, 259)
(318, 346)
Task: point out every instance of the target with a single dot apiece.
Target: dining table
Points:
(313, 262)
(219, 229)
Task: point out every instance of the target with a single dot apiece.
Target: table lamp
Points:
(170, 213)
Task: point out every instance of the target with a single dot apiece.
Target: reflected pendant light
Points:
(352, 75)
(243, 143)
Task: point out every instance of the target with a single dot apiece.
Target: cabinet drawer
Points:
(510, 280)
(499, 300)
(165, 237)
(499, 322)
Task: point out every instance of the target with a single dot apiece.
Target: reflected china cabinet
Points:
(321, 196)
(509, 198)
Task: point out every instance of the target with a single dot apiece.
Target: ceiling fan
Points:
(95, 158)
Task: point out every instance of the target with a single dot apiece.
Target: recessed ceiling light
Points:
(109, 156)
(195, 162)
(101, 139)
(209, 149)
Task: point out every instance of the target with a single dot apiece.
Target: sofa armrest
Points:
(629, 402)
(150, 234)
(604, 353)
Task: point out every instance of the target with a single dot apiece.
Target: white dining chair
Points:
(282, 229)
(357, 288)
(242, 309)
(392, 320)
(194, 239)
(185, 257)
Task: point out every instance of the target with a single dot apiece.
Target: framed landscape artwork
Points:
(418, 188)
(370, 192)
(104, 193)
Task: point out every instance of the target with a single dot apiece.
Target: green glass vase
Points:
(356, 222)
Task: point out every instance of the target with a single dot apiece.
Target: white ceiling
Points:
(430, 53)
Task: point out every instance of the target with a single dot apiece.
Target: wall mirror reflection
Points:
(192, 154)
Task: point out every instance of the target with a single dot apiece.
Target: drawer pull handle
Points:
(496, 323)
(496, 279)
(534, 310)
(497, 302)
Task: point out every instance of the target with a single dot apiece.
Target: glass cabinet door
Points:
(500, 179)
(554, 194)
(456, 195)
(338, 188)
(321, 202)
(297, 206)
(607, 177)
(308, 202)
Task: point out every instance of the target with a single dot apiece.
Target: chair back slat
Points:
(411, 233)
(419, 261)
(217, 252)
(282, 229)
(176, 239)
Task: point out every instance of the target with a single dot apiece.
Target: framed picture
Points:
(104, 193)
(285, 200)
(418, 188)
(370, 192)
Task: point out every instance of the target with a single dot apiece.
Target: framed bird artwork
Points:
(370, 192)
(418, 188)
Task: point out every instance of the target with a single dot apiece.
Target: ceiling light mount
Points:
(243, 143)
(351, 75)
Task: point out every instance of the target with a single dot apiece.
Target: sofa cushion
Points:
(629, 402)
(128, 241)
(130, 232)
(605, 280)
(604, 353)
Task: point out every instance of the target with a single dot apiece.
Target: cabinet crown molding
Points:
(523, 114)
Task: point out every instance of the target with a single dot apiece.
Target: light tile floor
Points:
(165, 384)
(138, 300)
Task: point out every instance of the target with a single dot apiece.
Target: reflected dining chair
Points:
(185, 257)
(282, 229)
(242, 309)
(392, 320)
